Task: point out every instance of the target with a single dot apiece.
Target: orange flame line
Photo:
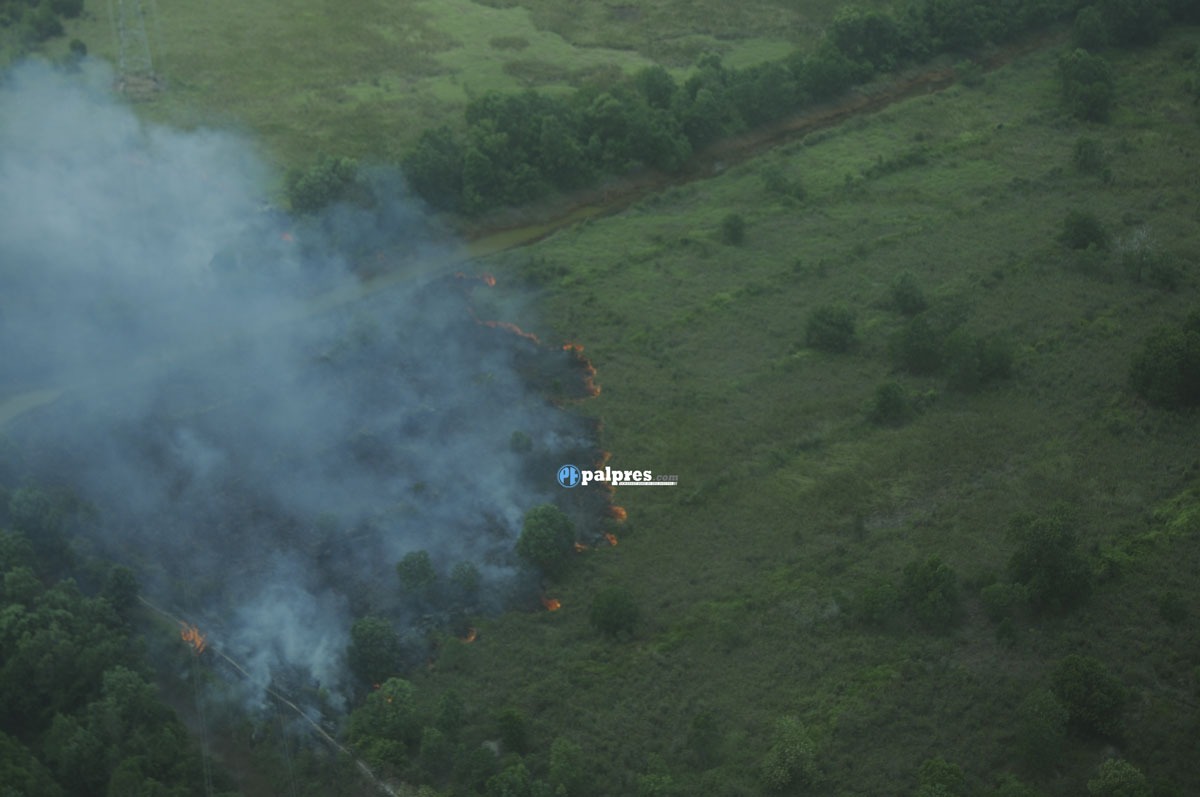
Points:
(618, 512)
(551, 604)
(191, 635)
(612, 538)
(580, 547)
(472, 634)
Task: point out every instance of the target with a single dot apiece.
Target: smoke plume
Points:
(259, 449)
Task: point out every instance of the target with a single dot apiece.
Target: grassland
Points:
(790, 504)
(365, 78)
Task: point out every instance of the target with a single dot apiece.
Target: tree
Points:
(1047, 562)
(973, 362)
(434, 169)
(1082, 229)
(871, 37)
(1166, 371)
(1133, 22)
(568, 766)
(1041, 729)
(906, 294)
(1116, 777)
(416, 573)
(1094, 697)
(830, 328)
(1088, 86)
(121, 590)
(733, 229)
(937, 777)
(513, 730)
(375, 650)
(547, 536)
(1088, 156)
(1089, 32)
(890, 405)
(917, 347)
(327, 181)
(614, 612)
(388, 714)
(791, 759)
(930, 588)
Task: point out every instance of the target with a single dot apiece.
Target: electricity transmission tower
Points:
(129, 25)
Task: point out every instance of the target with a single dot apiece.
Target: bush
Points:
(890, 405)
(513, 731)
(906, 294)
(830, 328)
(1166, 371)
(1093, 696)
(1046, 561)
(733, 229)
(930, 589)
(614, 612)
(547, 536)
(1082, 230)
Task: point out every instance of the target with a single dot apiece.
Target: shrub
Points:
(830, 328)
(930, 589)
(614, 612)
(1166, 371)
(375, 651)
(327, 181)
(513, 731)
(1082, 230)
(1093, 696)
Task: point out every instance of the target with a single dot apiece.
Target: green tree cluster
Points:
(1047, 562)
(547, 537)
(1166, 371)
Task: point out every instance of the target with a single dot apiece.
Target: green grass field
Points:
(790, 504)
(364, 78)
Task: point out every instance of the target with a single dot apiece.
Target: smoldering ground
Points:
(261, 461)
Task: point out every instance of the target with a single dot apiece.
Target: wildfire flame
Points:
(618, 512)
(578, 347)
(516, 330)
(612, 538)
(580, 547)
(551, 604)
(605, 456)
(191, 635)
(486, 279)
(589, 370)
(471, 635)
